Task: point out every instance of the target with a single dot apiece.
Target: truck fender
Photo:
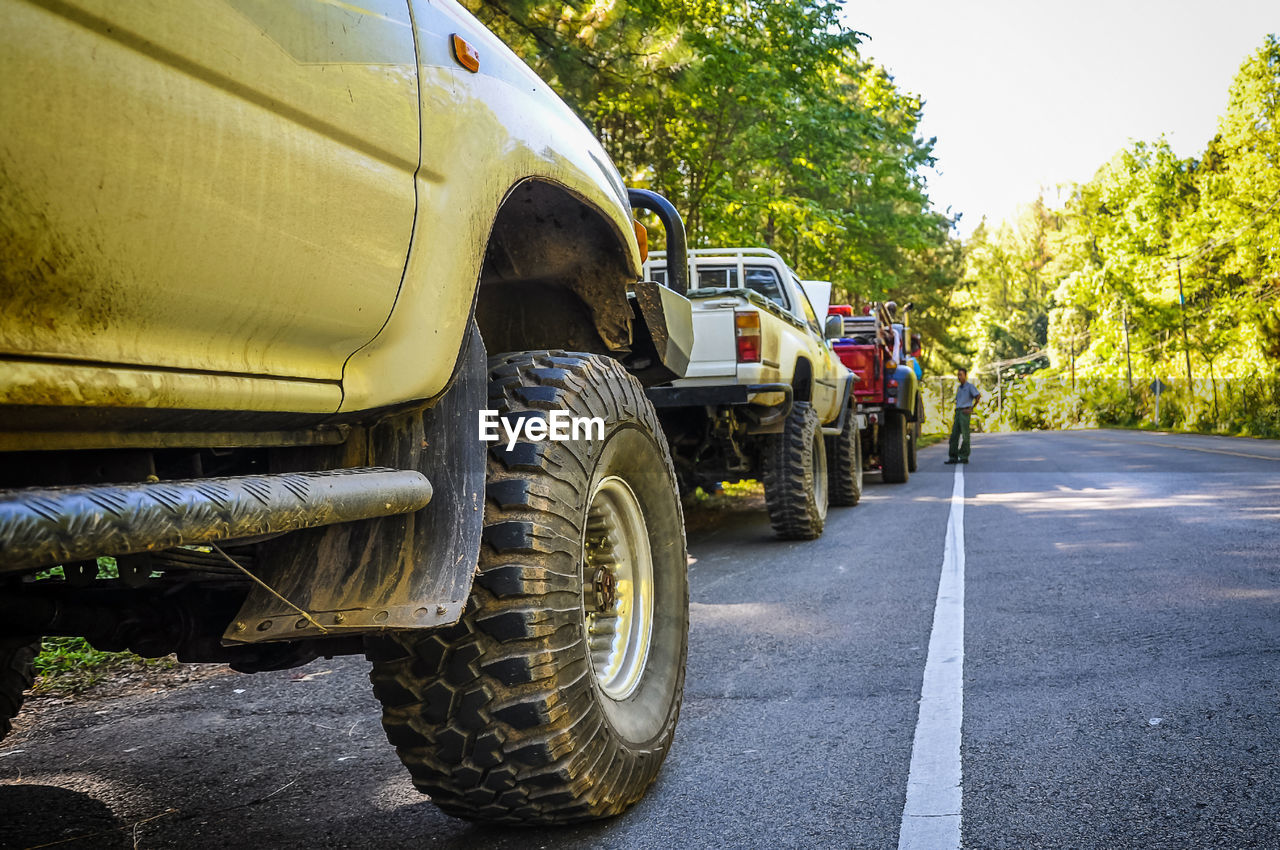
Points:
(846, 407)
(908, 386)
(555, 276)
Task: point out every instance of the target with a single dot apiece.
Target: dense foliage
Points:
(1148, 231)
(762, 123)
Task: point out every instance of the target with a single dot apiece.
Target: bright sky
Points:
(1028, 93)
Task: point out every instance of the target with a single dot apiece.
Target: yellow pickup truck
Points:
(270, 267)
(764, 395)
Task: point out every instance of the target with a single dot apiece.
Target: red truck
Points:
(876, 346)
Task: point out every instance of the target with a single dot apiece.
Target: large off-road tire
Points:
(555, 698)
(893, 447)
(17, 672)
(913, 435)
(844, 464)
(795, 476)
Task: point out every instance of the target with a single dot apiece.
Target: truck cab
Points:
(756, 323)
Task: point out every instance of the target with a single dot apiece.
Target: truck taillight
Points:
(893, 383)
(746, 326)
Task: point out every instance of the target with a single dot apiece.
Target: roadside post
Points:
(1158, 387)
(999, 395)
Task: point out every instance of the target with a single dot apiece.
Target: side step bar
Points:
(42, 527)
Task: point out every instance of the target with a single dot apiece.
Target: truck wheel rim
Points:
(617, 587)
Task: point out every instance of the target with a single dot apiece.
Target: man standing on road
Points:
(967, 396)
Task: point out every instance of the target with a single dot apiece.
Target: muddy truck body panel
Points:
(252, 206)
(244, 240)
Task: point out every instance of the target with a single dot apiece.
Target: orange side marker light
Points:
(642, 237)
(466, 55)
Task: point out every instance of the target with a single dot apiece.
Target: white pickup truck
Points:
(764, 395)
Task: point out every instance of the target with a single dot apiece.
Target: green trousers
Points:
(958, 448)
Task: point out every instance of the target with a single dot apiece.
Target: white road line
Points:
(931, 816)
(1120, 442)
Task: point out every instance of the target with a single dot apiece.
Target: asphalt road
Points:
(1121, 684)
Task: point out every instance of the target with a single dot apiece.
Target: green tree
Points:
(1154, 241)
(1240, 186)
(1006, 273)
(762, 124)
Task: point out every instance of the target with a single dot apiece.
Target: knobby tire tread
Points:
(790, 492)
(495, 717)
(844, 464)
(893, 451)
(913, 439)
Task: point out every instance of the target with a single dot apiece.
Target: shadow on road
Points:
(43, 815)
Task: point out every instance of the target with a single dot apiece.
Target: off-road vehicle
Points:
(764, 396)
(264, 265)
(877, 347)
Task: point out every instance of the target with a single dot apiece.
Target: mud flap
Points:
(402, 572)
(662, 334)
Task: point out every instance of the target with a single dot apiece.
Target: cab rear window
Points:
(761, 279)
